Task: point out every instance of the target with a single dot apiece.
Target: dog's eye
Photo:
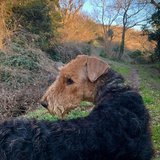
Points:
(69, 81)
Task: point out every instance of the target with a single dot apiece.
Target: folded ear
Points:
(96, 68)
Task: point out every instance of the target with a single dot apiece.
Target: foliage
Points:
(1, 54)
(24, 61)
(13, 80)
(37, 16)
(53, 54)
(135, 54)
(103, 54)
(155, 34)
(68, 51)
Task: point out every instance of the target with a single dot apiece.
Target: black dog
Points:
(117, 129)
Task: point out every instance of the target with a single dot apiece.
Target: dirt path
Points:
(133, 79)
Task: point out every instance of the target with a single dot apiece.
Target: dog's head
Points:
(75, 82)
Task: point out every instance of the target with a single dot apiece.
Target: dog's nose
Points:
(44, 104)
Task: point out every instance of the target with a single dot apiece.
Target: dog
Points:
(116, 129)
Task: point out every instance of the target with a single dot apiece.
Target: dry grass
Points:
(4, 31)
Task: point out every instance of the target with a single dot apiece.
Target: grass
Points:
(42, 114)
(150, 91)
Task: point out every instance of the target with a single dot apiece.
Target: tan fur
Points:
(83, 71)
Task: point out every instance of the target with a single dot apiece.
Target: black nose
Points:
(44, 104)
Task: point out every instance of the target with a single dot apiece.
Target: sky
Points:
(88, 8)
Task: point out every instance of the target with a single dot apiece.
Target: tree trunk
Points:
(122, 45)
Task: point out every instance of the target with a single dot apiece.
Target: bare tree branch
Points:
(131, 16)
(155, 4)
(70, 8)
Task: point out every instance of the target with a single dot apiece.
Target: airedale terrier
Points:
(116, 129)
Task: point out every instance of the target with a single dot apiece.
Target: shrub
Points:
(37, 16)
(135, 54)
(2, 54)
(142, 60)
(116, 48)
(100, 39)
(22, 61)
(103, 54)
(13, 80)
(34, 16)
(67, 51)
(53, 54)
(43, 42)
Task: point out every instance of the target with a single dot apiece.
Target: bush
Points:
(100, 39)
(37, 16)
(53, 54)
(2, 54)
(135, 54)
(43, 42)
(142, 60)
(13, 80)
(116, 49)
(34, 16)
(68, 51)
(22, 61)
(103, 54)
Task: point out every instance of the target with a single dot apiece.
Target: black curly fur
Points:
(117, 129)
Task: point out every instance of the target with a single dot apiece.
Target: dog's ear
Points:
(95, 68)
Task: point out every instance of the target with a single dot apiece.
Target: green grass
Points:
(42, 114)
(122, 68)
(150, 91)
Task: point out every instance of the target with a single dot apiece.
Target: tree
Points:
(153, 2)
(156, 4)
(155, 34)
(37, 16)
(76, 26)
(105, 13)
(132, 14)
(69, 9)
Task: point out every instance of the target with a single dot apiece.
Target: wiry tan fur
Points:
(62, 97)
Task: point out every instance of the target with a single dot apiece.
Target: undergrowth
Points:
(24, 61)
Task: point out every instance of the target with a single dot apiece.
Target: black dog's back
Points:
(117, 129)
(127, 122)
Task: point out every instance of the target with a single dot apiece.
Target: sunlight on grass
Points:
(122, 70)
